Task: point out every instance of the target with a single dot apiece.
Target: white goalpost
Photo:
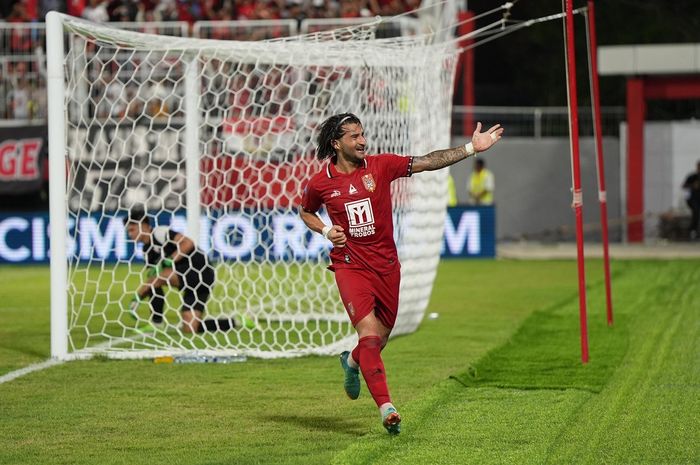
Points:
(216, 139)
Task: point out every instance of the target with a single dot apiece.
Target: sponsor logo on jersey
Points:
(360, 218)
(369, 183)
(335, 194)
(352, 190)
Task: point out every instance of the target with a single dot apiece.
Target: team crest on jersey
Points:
(352, 190)
(369, 183)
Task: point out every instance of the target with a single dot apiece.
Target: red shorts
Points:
(363, 291)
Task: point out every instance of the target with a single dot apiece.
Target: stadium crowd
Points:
(22, 81)
(202, 10)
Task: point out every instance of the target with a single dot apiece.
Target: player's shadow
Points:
(347, 426)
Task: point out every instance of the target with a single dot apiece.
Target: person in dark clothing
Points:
(173, 260)
(692, 188)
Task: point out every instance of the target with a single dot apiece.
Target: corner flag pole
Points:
(600, 166)
(576, 172)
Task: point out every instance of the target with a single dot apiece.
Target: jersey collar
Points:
(331, 172)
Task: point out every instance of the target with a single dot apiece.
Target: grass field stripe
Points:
(644, 364)
(29, 369)
(40, 366)
(49, 363)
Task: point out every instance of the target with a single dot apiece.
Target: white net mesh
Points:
(253, 110)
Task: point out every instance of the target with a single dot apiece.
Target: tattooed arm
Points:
(442, 158)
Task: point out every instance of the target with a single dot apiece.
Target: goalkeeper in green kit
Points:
(173, 260)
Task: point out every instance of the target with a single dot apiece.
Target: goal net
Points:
(216, 140)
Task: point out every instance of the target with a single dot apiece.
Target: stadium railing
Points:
(390, 27)
(168, 28)
(245, 30)
(23, 70)
(537, 122)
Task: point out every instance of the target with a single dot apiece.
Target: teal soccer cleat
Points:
(352, 377)
(392, 421)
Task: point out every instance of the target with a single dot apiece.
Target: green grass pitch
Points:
(496, 379)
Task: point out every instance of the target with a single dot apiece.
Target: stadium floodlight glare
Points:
(216, 139)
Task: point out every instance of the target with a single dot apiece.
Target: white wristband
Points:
(326, 230)
(470, 149)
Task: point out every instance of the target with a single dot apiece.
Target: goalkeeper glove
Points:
(133, 306)
(155, 270)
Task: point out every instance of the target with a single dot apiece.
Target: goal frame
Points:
(63, 346)
(57, 186)
(57, 180)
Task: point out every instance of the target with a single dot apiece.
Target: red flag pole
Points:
(600, 166)
(576, 168)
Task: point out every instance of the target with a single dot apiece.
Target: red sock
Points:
(372, 368)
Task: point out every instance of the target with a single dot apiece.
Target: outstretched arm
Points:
(441, 158)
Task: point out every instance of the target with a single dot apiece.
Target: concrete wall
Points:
(671, 151)
(533, 188)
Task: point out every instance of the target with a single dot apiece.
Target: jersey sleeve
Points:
(311, 199)
(396, 166)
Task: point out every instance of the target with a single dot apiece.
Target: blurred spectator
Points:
(123, 10)
(110, 99)
(351, 9)
(195, 10)
(5, 89)
(96, 11)
(75, 7)
(412, 5)
(267, 10)
(166, 10)
(322, 9)
(387, 7)
(481, 184)
(40, 99)
(451, 192)
(18, 13)
(22, 93)
(245, 9)
(20, 100)
(21, 36)
(189, 10)
(294, 9)
(143, 14)
(50, 5)
(5, 8)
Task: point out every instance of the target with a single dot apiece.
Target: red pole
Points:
(467, 68)
(576, 164)
(602, 194)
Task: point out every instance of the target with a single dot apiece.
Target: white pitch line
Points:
(29, 369)
(48, 363)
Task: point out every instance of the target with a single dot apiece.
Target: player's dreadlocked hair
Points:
(332, 129)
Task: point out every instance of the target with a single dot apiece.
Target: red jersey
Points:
(360, 202)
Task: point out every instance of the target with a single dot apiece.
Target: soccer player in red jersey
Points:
(355, 188)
